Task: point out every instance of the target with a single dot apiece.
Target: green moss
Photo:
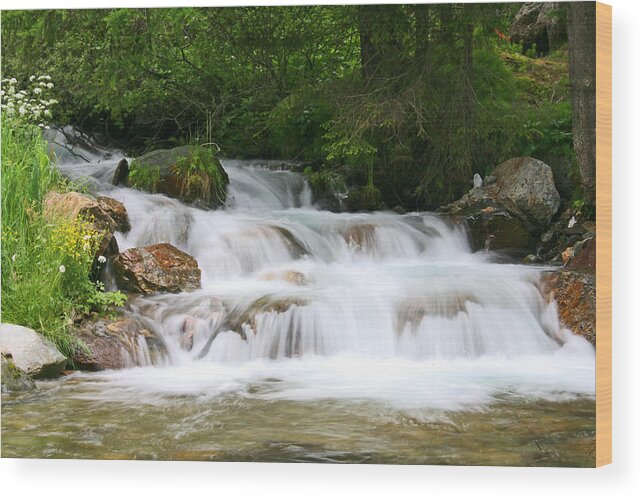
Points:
(201, 175)
(145, 179)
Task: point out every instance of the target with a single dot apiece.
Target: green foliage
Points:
(103, 301)
(145, 179)
(325, 180)
(45, 263)
(434, 88)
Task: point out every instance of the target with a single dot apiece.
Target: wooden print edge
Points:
(604, 234)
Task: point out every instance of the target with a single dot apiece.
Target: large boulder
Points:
(192, 174)
(117, 344)
(512, 207)
(525, 188)
(156, 268)
(31, 352)
(73, 205)
(540, 24)
(575, 295)
(12, 378)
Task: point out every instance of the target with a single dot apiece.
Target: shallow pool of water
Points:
(100, 416)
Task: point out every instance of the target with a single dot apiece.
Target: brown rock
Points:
(156, 268)
(575, 294)
(584, 255)
(72, 205)
(117, 211)
(117, 344)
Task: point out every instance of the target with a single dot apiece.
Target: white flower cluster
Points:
(29, 105)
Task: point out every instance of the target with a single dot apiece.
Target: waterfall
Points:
(388, 293)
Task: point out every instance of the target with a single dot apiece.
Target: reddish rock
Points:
(575, 294)
(583, 255)
(117, 344)
(156, 268)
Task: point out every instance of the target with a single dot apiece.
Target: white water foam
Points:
(342, 306)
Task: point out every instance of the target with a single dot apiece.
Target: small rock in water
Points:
(121, 173)
(187, 334)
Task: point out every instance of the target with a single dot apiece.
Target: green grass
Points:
(45, 263)
(202, 174)
(144, 179)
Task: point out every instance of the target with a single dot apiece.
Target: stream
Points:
(362, 338)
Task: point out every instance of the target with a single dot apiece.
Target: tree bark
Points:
(582, 74)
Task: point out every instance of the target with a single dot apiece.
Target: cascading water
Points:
(289, 288)
(369, 337)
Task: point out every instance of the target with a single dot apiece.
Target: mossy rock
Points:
(12, 378)
(192, 174)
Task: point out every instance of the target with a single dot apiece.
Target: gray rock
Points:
(525, 187)
(538, 23)
(12, 378)
(30, 351)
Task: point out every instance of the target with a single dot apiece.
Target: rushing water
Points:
(317, 336)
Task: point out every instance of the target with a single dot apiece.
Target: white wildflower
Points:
(50, 85)
(32, 78)
(37, 90)
(62, 269)
(13, 81)
(22, 110)
(102, 259)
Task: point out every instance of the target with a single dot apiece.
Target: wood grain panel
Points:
(604, 234)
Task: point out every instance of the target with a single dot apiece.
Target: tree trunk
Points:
(582, 74)
(368, 53)
(468, 93)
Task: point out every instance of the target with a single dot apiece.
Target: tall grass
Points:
(45, 263)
